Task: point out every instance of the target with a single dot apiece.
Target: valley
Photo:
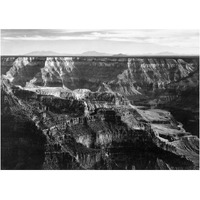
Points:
(84, 112)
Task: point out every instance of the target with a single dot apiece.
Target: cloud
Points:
(170, 38)
(40, 38)
(46, 34)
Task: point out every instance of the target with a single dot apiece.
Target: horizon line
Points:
(113, 56)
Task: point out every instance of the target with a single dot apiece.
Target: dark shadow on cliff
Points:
(22, 144)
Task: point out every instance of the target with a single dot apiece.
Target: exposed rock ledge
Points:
(81, 127)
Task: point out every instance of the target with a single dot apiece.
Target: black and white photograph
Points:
(100, 99)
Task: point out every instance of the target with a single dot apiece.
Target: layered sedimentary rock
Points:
(80, 138)
(145, 81)
(82, 113)
(127, 76)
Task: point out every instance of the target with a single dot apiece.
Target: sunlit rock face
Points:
(83, 113)
(128, 76)
(24, 69)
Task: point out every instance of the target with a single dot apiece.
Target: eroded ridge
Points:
(97, 113)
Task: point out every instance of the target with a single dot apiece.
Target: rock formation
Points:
(85, 112)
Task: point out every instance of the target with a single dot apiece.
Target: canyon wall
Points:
(75, 112)
(128, 76)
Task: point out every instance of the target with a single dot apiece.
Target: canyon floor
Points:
(100, 113)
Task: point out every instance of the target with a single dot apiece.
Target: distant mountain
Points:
(43, 53)
(120, 55)
(94, 53)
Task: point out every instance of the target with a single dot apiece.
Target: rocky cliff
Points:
(82, 113)
(129, 76)
(66, 133)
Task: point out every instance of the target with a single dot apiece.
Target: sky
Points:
(130, 42)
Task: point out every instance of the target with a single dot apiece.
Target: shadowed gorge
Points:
(100, 112)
